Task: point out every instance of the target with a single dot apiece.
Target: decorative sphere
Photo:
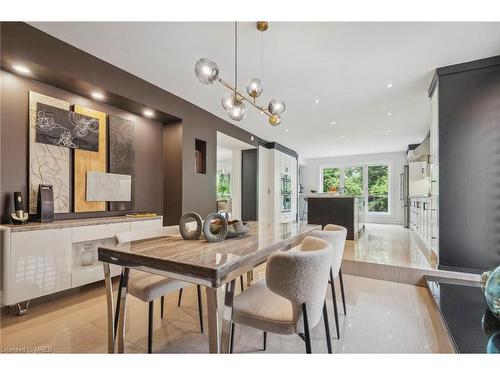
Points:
(238, 110)
(274, 120)
(276, 107)
(254, 87)
(492, 292)
(206, 71)
(227, 100)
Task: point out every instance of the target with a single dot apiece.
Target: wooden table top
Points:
(216, 263)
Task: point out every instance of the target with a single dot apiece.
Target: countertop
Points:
(326, 195)
(59, 224)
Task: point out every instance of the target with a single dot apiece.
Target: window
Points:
(331, 179)
(223, 184)
(353, 181)
(378, 188)
(368, 181)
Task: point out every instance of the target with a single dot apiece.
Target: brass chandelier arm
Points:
(241, 96)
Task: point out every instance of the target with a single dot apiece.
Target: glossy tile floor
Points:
(393, 245)
(382, 317)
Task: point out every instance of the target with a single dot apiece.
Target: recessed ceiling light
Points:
(316, 101)
(342, 136)
(22, 69)
(286, 130)
(389, 113)
(388, 130)
(97, 95)
(389, 85)
(148, 113)
(333, 122)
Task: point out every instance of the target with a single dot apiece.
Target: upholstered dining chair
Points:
(336, 236)
(291, 299)
(148, 287)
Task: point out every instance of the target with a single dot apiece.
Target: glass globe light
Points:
(227, 100)
(237, 111)
(274, 120)
(206, 71)
(254, 87)
(276, 107)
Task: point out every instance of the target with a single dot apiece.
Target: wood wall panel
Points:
(89, 161)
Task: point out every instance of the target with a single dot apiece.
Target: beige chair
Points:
(146, 286)
(291, 299)
(336, 236)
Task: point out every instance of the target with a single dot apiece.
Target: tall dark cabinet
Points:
(469, 165)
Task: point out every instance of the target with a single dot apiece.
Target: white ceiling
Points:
(227, 144)
(345, 65)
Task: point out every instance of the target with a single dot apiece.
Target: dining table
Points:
(214, 265)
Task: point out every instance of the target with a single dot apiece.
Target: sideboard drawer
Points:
(97, 232)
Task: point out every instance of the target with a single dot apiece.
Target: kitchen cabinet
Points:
(420, 218)
(278, 186)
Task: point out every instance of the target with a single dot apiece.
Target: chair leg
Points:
(342, 290)
(264, 346)
(307, 337)
(232, 339)
(180, 298)
(334, 301)
(162, 305)
(200, 307)
(118, 301)
(241, 282)
(150, 327)
(327, 329)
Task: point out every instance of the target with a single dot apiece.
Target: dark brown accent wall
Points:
(62, 65)
(469, 165)
(172, 173)
(14, 141)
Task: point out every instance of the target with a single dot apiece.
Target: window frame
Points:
(343, 166)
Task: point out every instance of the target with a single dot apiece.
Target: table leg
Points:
(249, 278)
(227, 317)
(109, 299)
(213, 320)
(122, 317)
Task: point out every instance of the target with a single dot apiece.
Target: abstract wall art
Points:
(122, 156)
(85, 161)
(110, 187)
(48, 164)
(60, 127)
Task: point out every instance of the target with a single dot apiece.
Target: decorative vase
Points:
(492, 292)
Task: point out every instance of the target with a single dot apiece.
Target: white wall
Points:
(310, 179)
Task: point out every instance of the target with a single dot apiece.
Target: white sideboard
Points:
(44, 258)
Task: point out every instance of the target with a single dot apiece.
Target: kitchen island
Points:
(347, 211)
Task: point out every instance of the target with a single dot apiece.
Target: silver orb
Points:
(206, 71)
(227, 100)
(276, 107)
(238, 110)
(254, 87)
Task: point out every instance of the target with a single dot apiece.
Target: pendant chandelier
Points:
(233, 102)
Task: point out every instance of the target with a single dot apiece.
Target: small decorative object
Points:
(314, 191)
(19, 216)
(492, 292)
(190, 234)
(237, 228)
(489, 324)
(87, 255)
(220, 231)
(45, 206)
